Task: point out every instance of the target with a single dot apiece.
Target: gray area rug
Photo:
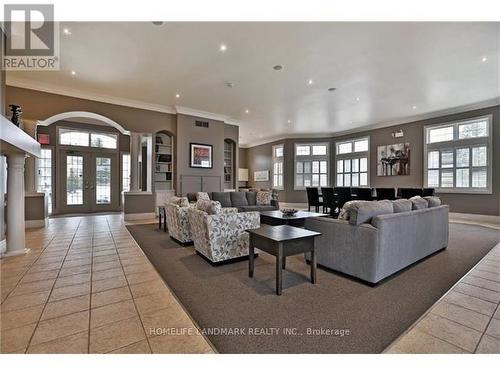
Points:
(337, 315)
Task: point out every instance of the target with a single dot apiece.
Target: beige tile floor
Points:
(86, 287)
(465, 320)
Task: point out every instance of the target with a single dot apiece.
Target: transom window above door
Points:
(84, 138)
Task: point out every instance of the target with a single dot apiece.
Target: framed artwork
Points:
(261, 176)
(393, 160)
(200, 155)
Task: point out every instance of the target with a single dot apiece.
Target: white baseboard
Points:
(141, 216)
(36, 223)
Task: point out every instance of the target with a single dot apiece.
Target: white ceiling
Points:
(390, 67)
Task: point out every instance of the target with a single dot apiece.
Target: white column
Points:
(15, 205)
(135, 150)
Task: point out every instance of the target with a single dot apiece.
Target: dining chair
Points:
(313, 199)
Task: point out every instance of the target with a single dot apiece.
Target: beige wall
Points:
(38, 105)
(260, 158)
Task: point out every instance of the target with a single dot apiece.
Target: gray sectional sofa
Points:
(375, 242)
(245, 201)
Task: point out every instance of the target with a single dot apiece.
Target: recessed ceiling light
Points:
(177, 96)
(310, 82)
(247, 111)
(157, 23)
(332, 89)
(289, 121)
(278, 67)
(357, 99)
(484, 59)
(414, 107)
(73, 73)
(66, 31)
(229, 84)
(223, 48)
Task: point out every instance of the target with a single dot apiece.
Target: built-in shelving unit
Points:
(228, 165)
(164, 162)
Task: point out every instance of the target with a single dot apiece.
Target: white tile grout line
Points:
(172, 292)
(435, 304)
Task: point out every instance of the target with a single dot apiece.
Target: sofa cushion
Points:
(201, 195)
(238, 199)
(401, 205)
(433, 201)
(223, 197)
(208, 206)
(180, 201)
(363, 212)
(263, 198)
(418, 203)
(251, 198)
(256, 208)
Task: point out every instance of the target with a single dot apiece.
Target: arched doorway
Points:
(86, 155)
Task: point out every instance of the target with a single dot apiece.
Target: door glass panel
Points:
(74, 180)
(103, 180)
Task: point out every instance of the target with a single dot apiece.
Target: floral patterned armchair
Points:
(222, 236)
(178, 223)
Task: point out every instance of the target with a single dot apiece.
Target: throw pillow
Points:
(202, 196)
(180, 201)
(418, 203)
(208, 206)
(263, 198)
(344, 211)
(433, 201)
(402, 205)
(364, 212)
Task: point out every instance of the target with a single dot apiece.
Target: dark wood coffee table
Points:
(278, 218)
(282, 241)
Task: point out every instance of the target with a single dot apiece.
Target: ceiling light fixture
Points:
(289, 121)
(73, 73)
(223, 48)
(484, 59)
(229, 84)
(414, 107)
(157, 23)
(66, 31)
(357, 99)
(247, 111)
(177, 96)
(310, 82)
(278, 67)
(332, 89)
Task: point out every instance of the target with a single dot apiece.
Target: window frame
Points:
(311, 158)
(278, 159)
(454, 145)
(350, 156)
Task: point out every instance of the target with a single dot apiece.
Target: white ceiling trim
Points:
(59, 90)
(204, 114)
(385, 124)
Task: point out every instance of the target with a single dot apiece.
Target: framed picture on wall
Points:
(200, 155)
(393, 160)
(261, 176)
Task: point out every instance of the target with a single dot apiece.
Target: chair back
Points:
(342, 195)
(407, 193)
(364, 194)
(328, 197)
(312, 196)
(386, 193)
(428, 192)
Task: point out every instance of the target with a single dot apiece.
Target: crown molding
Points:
(385, 124)
(60, 90)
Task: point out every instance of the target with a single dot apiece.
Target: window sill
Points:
(463, 191)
